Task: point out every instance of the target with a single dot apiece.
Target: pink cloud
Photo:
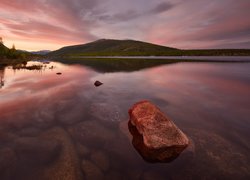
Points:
(206, 29)
(181, 24)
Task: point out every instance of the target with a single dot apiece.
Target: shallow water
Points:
(63, 126)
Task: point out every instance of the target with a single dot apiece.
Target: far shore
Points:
(188, 58)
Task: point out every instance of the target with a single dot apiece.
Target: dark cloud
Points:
(73, 11)
(128, 15)
(162, 7)
(226, 34)
(120, 17)
(233, 45)
(133, 14)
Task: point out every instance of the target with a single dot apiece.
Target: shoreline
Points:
(174, 58)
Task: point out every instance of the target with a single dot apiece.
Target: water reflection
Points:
(2, 77)
(80, 128)
(118, 65)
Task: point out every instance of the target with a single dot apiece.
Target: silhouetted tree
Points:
(1, 40)
(13, 54)
(13, 47)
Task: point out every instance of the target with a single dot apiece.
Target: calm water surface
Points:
(63, 126)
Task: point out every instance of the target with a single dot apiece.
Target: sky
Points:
(184, 24)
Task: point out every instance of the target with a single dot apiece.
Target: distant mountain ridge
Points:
(111, 47)
(41, 52)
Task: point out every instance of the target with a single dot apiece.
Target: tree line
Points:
(11, 53)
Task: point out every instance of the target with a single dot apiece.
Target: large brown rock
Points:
(155, 136)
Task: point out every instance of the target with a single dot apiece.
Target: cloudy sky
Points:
(51, 24)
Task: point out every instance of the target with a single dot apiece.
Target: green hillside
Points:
(3, 50)
(107, 47)
(215, 52)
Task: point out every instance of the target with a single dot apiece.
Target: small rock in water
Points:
(155, 136)
(98, 83)
(59, 73)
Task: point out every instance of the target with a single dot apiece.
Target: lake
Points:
(62, 126)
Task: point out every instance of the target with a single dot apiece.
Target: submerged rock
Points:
(149, 175)
(91, 171)
(98, 83)
(8, 163)
(101, 160)
(106, 112)
(92, 133)
(35, 151)
(29, 131)
(66, 166)
(113, 175)
(155, 136)
(51, 155)
(82, 150)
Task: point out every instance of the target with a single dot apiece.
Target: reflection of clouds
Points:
(189, 78)
(34, 82)
(201, 93)
(40, 108)
(39, 99)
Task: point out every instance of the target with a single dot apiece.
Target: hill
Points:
(108, 47)
(41, 52)
(3, 50)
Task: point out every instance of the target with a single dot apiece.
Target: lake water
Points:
(63, 127)
(198, 58)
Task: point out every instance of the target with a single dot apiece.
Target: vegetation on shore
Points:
(24, 66)
(107, 47)
(13, 56)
